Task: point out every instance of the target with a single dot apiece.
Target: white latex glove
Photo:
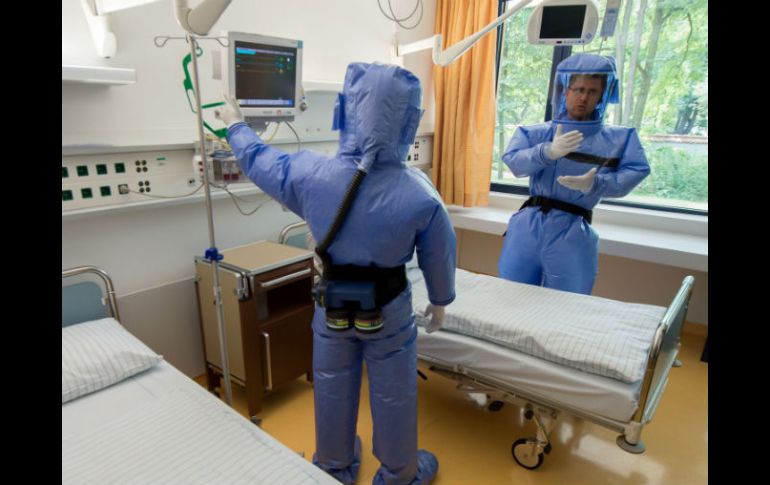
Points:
(563, 144)
(583, 183)
(437, 317)
(319, 265)
(230, 113)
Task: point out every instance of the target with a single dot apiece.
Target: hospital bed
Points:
(156, 426)
(601, 360)
(549, 351)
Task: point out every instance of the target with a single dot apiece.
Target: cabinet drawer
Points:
(285, 275)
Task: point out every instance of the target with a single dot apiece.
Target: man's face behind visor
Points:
(582, 96)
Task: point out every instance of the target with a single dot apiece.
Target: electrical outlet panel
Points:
(114, 179)
(222, 170)
(421, 153)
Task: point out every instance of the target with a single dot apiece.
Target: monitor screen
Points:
(563, 22)
(265, 75)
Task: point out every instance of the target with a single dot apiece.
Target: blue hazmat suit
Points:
(559, 249)
(396, 210)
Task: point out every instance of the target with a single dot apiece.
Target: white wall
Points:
(145, 248)
(155, 110)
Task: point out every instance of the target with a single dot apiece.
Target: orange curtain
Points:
(465, 104)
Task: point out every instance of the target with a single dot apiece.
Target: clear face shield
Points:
(580, 97)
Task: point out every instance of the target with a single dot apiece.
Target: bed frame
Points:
(528, 452)
(82, 302)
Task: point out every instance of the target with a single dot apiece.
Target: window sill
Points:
(679, 240)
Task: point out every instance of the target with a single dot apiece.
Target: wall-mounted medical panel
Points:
(110, 178)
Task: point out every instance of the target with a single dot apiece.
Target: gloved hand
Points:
(437, 317)
(230, 113)
(583, 183)
(563, 144)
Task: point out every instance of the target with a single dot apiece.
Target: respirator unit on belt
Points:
(353, 296)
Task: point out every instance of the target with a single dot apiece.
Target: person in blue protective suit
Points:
(395, 210)
(572, 161)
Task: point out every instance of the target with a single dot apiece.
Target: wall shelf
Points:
(106, 76)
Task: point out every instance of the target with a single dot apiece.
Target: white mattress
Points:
(536, 377)
(161, 427)
(596, 335)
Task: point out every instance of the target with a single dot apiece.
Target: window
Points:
(522, 89)
(661, 51)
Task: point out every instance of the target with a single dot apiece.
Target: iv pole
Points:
(212, 254)
(198, 22)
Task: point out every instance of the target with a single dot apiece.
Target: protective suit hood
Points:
(377, 113)
(584, 64)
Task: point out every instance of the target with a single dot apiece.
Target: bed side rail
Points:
(81, 290)
(284, 236)
(300, 241)
(663, 352)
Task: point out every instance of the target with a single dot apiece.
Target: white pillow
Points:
(100, 353)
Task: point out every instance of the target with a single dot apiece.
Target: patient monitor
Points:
(264, 74)
(563, 22)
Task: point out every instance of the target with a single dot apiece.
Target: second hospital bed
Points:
(550, 351)
(155, 425)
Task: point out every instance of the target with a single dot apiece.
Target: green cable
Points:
(188, 87)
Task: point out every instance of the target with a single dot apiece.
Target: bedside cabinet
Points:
(268, 310)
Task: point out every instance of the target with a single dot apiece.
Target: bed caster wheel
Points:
(495, 406)
(547, 449)
(257, 421)
(523, 451)
(626, 446)
(529, 414)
